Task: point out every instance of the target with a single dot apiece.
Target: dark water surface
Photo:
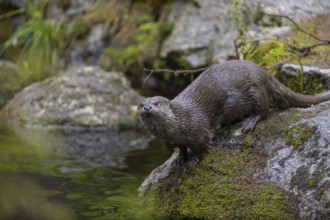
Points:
(49, 174)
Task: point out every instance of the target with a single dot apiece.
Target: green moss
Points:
(268, 204)
(301, 179)
(298, 135)
(269, 54)
(11, 79)
(328, 204)
(310, 84)
(223, 187)
(126, 57)
(274, 128)
(142, 42)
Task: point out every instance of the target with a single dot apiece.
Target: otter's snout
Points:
(147, 107)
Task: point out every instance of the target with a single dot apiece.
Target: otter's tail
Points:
(288, 98)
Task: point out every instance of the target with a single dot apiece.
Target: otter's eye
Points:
(156, 104)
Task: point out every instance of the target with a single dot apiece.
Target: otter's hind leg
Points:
(259, 112)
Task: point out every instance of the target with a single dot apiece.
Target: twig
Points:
(146, 79)
(298, 27)
(304, 50)
(176, 72)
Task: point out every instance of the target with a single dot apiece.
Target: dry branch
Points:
(304, 50)
(175, 72)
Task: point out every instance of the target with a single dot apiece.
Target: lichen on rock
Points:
(84, 97)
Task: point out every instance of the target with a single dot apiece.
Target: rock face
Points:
(297, 145)
(200, 32)
(203, 32)
(296, 10)
(301, 163)
(85, 97)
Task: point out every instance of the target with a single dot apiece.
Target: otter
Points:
(232, 91)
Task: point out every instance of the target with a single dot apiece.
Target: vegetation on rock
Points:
(223, 186)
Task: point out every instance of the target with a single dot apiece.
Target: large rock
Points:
(311, 73)
(204, 34)
(300, 162)
(87, 97)
(296, 10)
(296, 143)
(200, 32)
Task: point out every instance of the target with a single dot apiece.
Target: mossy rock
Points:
(271, 173)
(223, 186)
(11, 80)
(269, 55)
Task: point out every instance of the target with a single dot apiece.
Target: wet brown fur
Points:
(227, 92)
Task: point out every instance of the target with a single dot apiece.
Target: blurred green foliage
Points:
(238, 22)
(145, 46)
(40, 41)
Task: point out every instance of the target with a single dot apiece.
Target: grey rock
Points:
(305, 172)
(90, 50)
(86, 96)
(158, 174)
(79, 7)
(199, 30)
(296, 10)
(291, 70)
(204, 34)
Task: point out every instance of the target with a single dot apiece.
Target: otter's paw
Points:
(249, 123)
(180, 160)
(193, 161)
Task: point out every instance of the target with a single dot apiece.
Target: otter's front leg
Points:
(182, 157)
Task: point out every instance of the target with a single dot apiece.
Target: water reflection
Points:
(73, 175)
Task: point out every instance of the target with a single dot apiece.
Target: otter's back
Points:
(232, 82)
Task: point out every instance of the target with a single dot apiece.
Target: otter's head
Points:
(154, 108)
(155, 113)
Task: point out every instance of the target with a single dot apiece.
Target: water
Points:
(48, 174)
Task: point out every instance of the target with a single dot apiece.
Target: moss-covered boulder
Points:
(84, 97)
(278, 171)
(313, 80)
(11, 80)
